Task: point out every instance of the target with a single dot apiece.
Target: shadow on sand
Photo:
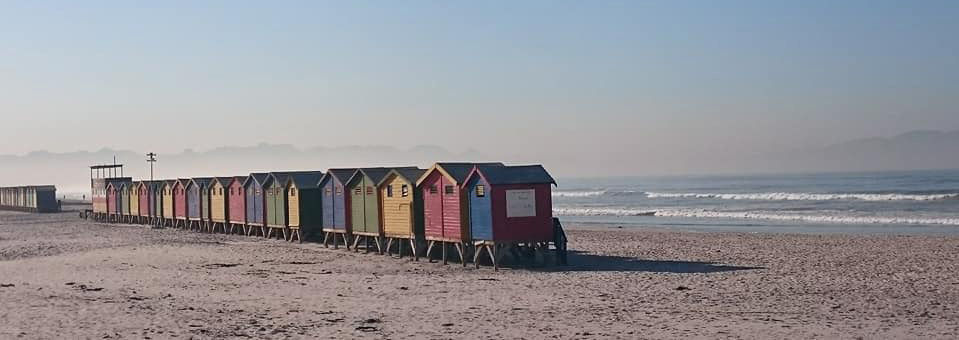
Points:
(583, 262)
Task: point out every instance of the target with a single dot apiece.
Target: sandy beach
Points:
(63, 277)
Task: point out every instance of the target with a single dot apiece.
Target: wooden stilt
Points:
(444, 253)
(416, 254)
(429, 251)
(459, 248)
(389, 243)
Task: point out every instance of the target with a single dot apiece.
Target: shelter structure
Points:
(304, 202)
(255, 203)
(364, 207)
(219, 203)
(197, 198)
(336, 218)
(445, 210)
(236, 205)
(401, 206)
(509, 207)
(169, 200)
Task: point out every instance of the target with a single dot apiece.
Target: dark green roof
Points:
(520, 174)
(459, 171)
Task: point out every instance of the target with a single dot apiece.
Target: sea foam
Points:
(827, 218)
(790, 196)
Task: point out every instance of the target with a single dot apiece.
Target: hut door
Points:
(433, 209)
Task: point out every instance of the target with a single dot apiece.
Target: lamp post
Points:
(151, 158)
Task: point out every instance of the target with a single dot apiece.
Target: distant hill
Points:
(70, 173)
(915, 150)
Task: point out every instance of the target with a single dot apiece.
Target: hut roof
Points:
(411, 174)
(259, 177)
(224, 181)
(375, 174)
(456, 171)
(202, 182)
(306, 179)
(283, 177)
(343, 175)
(520, 174)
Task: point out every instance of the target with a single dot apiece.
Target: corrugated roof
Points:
(259, 177)
(519, 174)
(411, 174)
(202, 181)
(459, 171)
(284, 176)
(377, 174)
(224, 181)
(342, 174)
(306, 179)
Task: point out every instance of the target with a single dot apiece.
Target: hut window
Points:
(369, 190)
(432, 189)
(448, 189)
(480, 191)
(357, 191)
(292, 192)
(339, 191)
(389, 191)
(329, 192)
(405, 190)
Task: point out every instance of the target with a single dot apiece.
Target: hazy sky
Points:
(605, 80)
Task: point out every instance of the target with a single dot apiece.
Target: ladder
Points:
(559, 241)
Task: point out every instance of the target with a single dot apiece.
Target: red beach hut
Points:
(445, 210)
(236, 203)
(179, 202)
(509, 206)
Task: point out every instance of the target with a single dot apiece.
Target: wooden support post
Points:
(416, 254)
(444, 252)
(459, 248)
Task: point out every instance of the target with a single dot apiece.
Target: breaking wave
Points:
(579, 193)
(788, 196)
(758, 215)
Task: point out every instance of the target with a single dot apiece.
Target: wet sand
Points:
(61, 277)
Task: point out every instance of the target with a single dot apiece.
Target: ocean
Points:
(908, 202)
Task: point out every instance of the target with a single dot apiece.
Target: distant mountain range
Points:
(69, 171)
(916, 150)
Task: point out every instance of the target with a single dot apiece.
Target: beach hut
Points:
(277, 201)
(156, 201)
(143, 201)
(197, 198)
(509, 206)
(445, 213)
(112, 201)
(123, 195)
(236, 205)
(179, 202)
(100, 176)
(304, 200)
(168, 202)
(336, 219)
(274, 201)
(402, 208)
(255, 205)
(219, 203)
(364, 206)
(134, 199)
